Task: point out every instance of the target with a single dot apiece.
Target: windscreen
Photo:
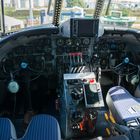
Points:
(27, 13)
(20, 14)
(121, 13)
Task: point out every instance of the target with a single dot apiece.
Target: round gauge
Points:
(59, 42)
(86, 41)
(68, 42)
(77, 42)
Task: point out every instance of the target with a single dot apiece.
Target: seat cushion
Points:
(7, 129)
(43, 127)
(122, 104)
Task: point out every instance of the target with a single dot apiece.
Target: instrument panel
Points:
(34, 54)
(68, 45)
(53, 51)
(109, 51)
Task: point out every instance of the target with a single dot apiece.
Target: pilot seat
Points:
(7, 130)
(124, 107)
(42, 127)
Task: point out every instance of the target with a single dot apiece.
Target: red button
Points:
(92, 81)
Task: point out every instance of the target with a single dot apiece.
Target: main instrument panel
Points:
(56, 50)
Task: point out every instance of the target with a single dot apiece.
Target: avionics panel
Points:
(79, 27)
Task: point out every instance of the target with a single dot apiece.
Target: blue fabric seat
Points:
(42, 127)
(7, 130)
(123, 105)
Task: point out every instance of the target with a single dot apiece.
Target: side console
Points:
(81, 98)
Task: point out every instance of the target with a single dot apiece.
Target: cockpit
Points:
(71, 80)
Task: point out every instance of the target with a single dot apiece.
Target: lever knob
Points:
(126, 60)
(24, 65)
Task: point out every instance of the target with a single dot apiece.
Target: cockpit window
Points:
(121, 13)
(26, 13)
(78, 8)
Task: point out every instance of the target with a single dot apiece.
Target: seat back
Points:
(7, 130)
(42, 127)
(123, 105)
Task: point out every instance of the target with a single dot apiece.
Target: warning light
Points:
(81, 126)
(92, 81)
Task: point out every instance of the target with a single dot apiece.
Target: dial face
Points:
(77, 42)
(86, 41)
(69, 42)
(60, 42)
